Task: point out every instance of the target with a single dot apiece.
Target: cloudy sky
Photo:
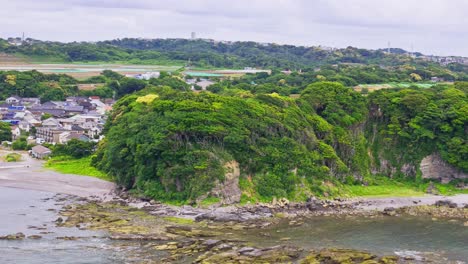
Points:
(437, 27)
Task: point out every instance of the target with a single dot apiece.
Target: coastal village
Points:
(54, 122)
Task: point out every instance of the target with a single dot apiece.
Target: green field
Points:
(386, 187)
(81, 166)
(396, 85)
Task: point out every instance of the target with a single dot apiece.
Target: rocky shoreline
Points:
(193, 235)
(283, 208)
(184, 234)
(214, 235)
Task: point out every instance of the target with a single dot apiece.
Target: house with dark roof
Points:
(30, 101)
(50, 105)
(54, 112)
(74, 109)
(80, 137)
(4, 107)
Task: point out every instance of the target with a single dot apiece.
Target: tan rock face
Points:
(229, 190)
(433, 167)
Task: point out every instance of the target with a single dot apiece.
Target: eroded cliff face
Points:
(228, 191)
(433, 167)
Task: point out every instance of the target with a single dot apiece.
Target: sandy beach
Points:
(30, 174)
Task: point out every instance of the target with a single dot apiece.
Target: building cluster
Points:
(144, 76)
(201, 83)
(56, 122)
(446, 60)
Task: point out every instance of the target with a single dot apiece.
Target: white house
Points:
(24, 125)
(13, 100)
(51, 123)
(15, 132)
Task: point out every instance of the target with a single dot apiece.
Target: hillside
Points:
(210, 53)
(181, 146)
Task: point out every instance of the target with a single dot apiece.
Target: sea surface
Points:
(34, 213)
(417, 237)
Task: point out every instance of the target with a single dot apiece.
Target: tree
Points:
(415, 77)
(75, 148)
(5, 131)
(11, 79)
(46, 116)
(53, 94)
(416, 102)
(20, 144)
(112, 75)
(130, 85)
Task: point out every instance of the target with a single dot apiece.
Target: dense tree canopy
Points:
(424, 121)
(174, 145)
(5, 131)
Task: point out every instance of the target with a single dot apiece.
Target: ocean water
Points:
(33, 212)
(405, 236)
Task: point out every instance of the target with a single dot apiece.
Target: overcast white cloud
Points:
(430, 26)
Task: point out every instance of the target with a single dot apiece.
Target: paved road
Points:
(30, 174)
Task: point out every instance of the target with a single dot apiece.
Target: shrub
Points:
(13, 157)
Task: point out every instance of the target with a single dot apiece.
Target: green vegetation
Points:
(36, 84)
(294, 134)
(12, 157)
(74, 148)
(385, 187)
(21, 144)
(210, 201)
(393, 85)
(407, 125)
(5, 132)
(75, 158)
(392, 190)
(211, 54)
(360, 76)
(173, 145)
(179, 220)
(56, 87)
(70, 165)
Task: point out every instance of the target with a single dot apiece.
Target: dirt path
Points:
(397, 202)
(30, 174)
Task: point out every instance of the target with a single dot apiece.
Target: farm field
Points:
(83, 71)
(375, 87)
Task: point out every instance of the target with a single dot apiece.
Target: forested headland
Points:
(177, 146)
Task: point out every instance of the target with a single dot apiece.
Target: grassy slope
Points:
(385, 187)
(76, 166)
